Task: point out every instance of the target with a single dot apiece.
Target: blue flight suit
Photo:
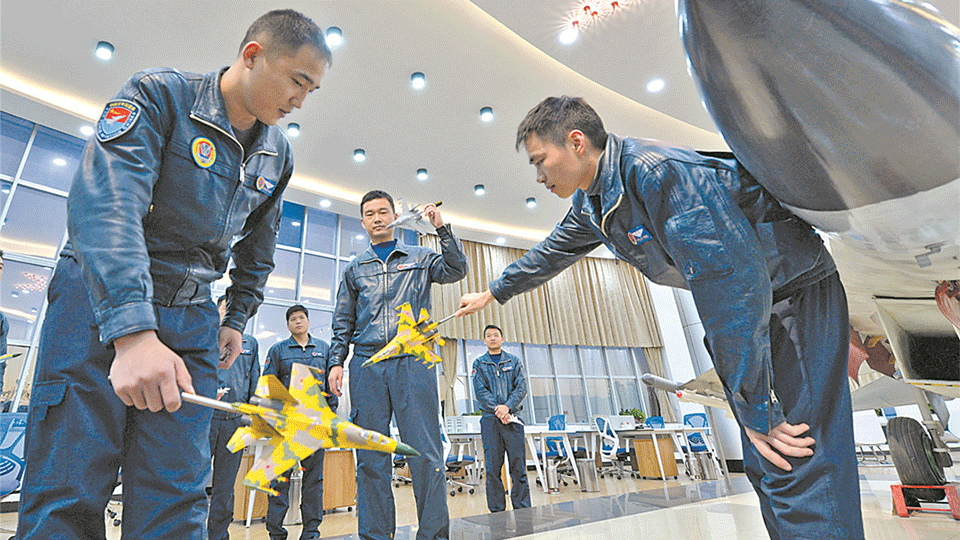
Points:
(502, 383)
(164, 196)
(767, 291)
(280, 360)
(240, 380)
(366, 316)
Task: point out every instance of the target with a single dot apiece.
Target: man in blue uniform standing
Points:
(390, 273)
(768, 294)
(235, 383)
(500, 386)
(185, 172)
(300, 348)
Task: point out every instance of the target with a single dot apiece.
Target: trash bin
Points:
(707, 467)
(588, 475)
(293, 513)
(553, 480)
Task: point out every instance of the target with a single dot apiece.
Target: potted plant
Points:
(637, 415)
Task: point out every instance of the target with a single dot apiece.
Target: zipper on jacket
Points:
(603, 222)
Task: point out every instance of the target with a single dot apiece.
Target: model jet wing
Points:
(415, 337)
(704, 390)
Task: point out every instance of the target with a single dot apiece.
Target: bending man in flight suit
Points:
(390, 273)
(181, 165)
(768, 294)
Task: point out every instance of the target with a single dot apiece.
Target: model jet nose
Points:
(406, 450)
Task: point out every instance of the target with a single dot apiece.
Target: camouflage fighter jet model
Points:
(414, 337)
(298, 422)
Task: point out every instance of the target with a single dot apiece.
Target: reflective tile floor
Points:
(627, 508)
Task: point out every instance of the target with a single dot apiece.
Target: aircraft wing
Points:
(279, 458)
(948, 389)
(270, 387)
(884, 392)
(306, 386)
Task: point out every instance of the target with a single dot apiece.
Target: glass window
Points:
(591, 358)
(620, 361)
(291, 225)
(601, 401)
(14, 134)
(409, 237)
(282, 282)
(543, 395)
(53, 159)
(4, 193)
(22, 292)
(316, 286)
(461, 394)
(35, 223)
(320, 324)
(565, 360)
(572, 400)
(538, 360)
(628, 393)
(475, 348)
(321, 231)
(271, 327)
(353, 239)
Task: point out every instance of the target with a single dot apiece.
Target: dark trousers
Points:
(80, 435)
(311, 500)
(500, 438)
(225, 467)
(820, 497)
(406, 388)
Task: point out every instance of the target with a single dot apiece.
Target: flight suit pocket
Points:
(45, 395)
(695, 245)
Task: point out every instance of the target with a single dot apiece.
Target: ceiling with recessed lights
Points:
(422, 138)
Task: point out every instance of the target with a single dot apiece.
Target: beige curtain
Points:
(448, 351)
(655, 362)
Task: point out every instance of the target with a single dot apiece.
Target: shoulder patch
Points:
(638, 236)
(118, 117)
(204, 152)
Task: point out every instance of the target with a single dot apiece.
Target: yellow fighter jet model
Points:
(298, 422)
(414, 337)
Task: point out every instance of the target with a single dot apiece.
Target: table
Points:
(679, 433)
(534, 433)
(472, 444)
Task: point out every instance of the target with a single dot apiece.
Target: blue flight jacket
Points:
(499, 383)
(371, 290)
(316, 353)
(690, 220)
(240, 378)
(157, 203)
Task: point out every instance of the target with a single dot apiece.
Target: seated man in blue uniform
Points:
(500, 386)
(235, 383)
(185, 172)
(301, 348)
(768, 294)
(388, 274)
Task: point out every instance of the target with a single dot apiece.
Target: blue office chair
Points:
(655, 422)
(13, 428)
(557, 453)
(610, 448)
(697, 420)
(455, 460)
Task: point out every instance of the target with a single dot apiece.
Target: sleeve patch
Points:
(118, 117)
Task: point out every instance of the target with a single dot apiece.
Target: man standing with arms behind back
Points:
(185, 172)
(299, 348)
(388, 274)
(500, 386)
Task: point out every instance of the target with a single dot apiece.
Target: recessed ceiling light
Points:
(104, 50)
(334, 37)
(86, 130)
(501, 240)
(418, 81)
(656, 85)
(359, 237)
(295, 223)
(59, 162)
(486, 114)
(359, 155)
(479, 189)
(5, 190)
(570, 33)
(531, 202)
(293, 130)
(422, 174)
(325, 203)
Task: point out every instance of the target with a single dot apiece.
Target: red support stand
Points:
(949, 489)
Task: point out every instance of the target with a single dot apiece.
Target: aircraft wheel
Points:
(460, 489)
(471, 491)
(912, 451)
(453, 493)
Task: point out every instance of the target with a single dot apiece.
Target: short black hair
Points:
(495, 327)
(553, 118)
(297, 308)
(221, 300)
(376, 194)
(291, 30)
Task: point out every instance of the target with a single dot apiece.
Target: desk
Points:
(535, 433)
(679, 434)
(470, 444)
